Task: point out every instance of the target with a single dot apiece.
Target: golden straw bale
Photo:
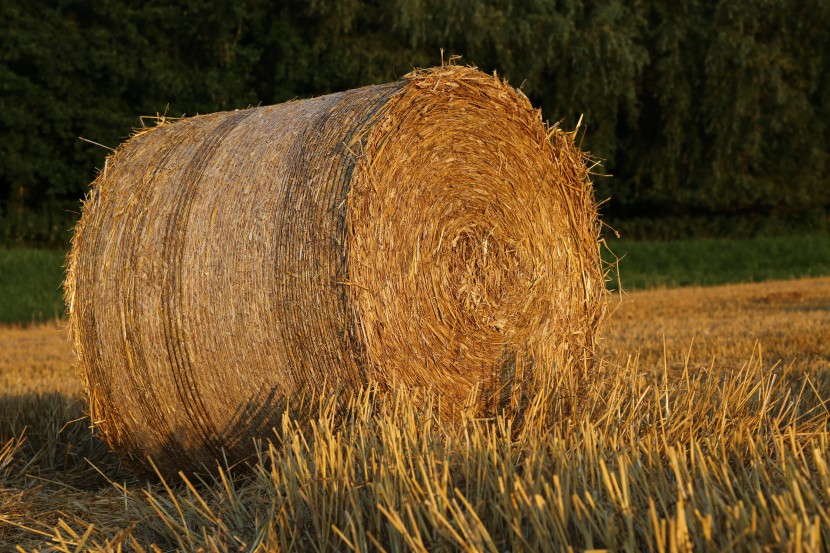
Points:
(432, 233)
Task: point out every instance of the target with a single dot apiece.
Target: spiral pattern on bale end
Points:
(472, 240)
(431, 233)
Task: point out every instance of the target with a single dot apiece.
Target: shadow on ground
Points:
(48, 438)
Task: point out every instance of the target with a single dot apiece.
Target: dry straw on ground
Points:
(432, 233)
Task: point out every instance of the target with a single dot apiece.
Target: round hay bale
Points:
(432, 233)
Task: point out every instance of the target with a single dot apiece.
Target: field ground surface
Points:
(705, 428)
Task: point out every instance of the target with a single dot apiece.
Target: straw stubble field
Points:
(705, 428)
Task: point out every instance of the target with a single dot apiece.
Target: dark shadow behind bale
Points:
(432, 233)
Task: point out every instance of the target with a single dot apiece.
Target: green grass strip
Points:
(30, 285)
(30, 279)
(718, 261)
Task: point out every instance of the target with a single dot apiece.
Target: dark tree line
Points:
(712, 116)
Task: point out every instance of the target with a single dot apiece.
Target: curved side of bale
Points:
(432, 233)
(203, 276)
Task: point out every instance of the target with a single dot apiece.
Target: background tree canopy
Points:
(712, 116)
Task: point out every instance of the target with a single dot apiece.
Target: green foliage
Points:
(720, 261)
(733, 115)
(708, 110)
(671, 224)
(70, 70)
(31, 285)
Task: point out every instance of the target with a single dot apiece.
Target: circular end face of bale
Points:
(472, 246)
(432, 233)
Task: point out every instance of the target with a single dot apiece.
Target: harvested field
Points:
(706, 429)
(784, 320)
(37, 359)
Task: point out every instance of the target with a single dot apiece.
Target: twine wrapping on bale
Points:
(432, 233)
